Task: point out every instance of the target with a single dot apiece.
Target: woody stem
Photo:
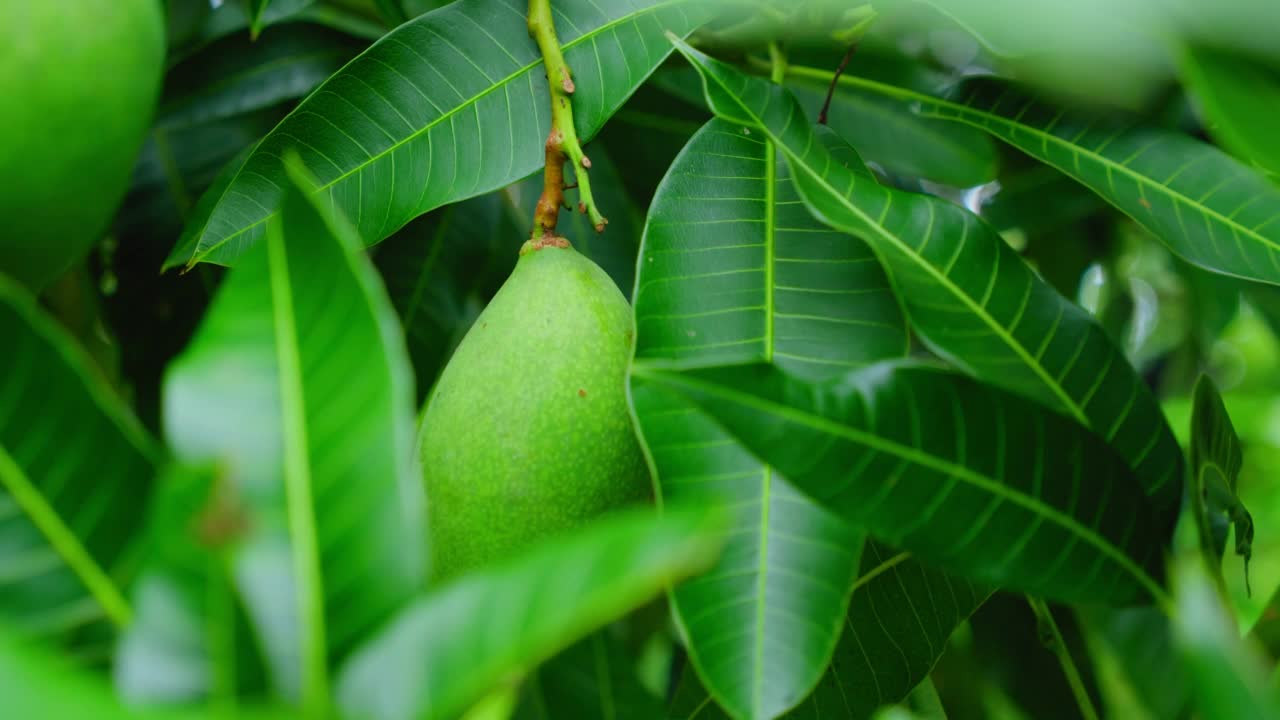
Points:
(562, 141)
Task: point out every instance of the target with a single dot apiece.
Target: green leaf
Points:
(594, 678)
(74, 469)
(447, 106)
(978, 481)
(1237, 98)
(234, 75)
(734, 269)
(37, 683)
(189, 640)
(446, 650)
(392, 11)
(1216, 459)
(901, 616)
(298, 383)
(899, 621)
(889, 134)
(1227, 674)
(967, 293)
(1203, 204)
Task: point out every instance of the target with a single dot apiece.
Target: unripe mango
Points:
(78, 84)
(527, 433)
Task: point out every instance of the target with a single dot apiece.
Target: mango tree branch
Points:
(562, 141)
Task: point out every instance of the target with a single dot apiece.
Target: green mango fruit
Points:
(527, 431)
(79, 80)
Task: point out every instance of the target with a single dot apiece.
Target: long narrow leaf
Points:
(449, 105)
(733, 268)
(74, 468)
(968, 294)
(298, 383)
(980, 482)
(446, 650)
(1205, 205)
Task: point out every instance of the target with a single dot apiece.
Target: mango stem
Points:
(562, 141)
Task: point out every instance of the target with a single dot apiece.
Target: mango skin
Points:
(79, 81)
(527, 432)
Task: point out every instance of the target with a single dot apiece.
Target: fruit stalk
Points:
(562, 141)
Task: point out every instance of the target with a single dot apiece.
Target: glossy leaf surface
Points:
(733, 269)
(445, 651)
(298, 383)
(981, 482)
(593, 678)
(1208, 207)
(73, 466)
(967, 293)
(445, 107)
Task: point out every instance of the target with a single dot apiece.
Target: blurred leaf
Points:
(74, 469)
(594, 678)
(298, 384)
(414, 123)
(234, 75)
(36, 683)
(1206, 206)
(1216, 458)
(1131, 650)
(446, 650)
(1227, 676)
(1001, 490)
(967, 294)
(392, 11)
(734, 269)
(1238, 98)
(254, 10)
(189, 640)
(1037, 200)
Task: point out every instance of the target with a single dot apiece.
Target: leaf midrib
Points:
(911, 455)
(199, 255)
(64, 541)
(967, 113)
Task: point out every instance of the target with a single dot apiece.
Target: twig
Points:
(562, 141)
(831, 90)
(1052, 637)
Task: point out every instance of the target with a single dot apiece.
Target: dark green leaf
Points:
(1037, 200)
(1206, 206)
(976, 480)
(734, 269)
(1216, 459)
(968, 294)
(594, 678)
(1238, 98)
(898, 624)
(446, 650)
(235, 75)
(450, 105)
(254, 10)
(299, 385)
(440, 270)
(889, 134)
(74, 469)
